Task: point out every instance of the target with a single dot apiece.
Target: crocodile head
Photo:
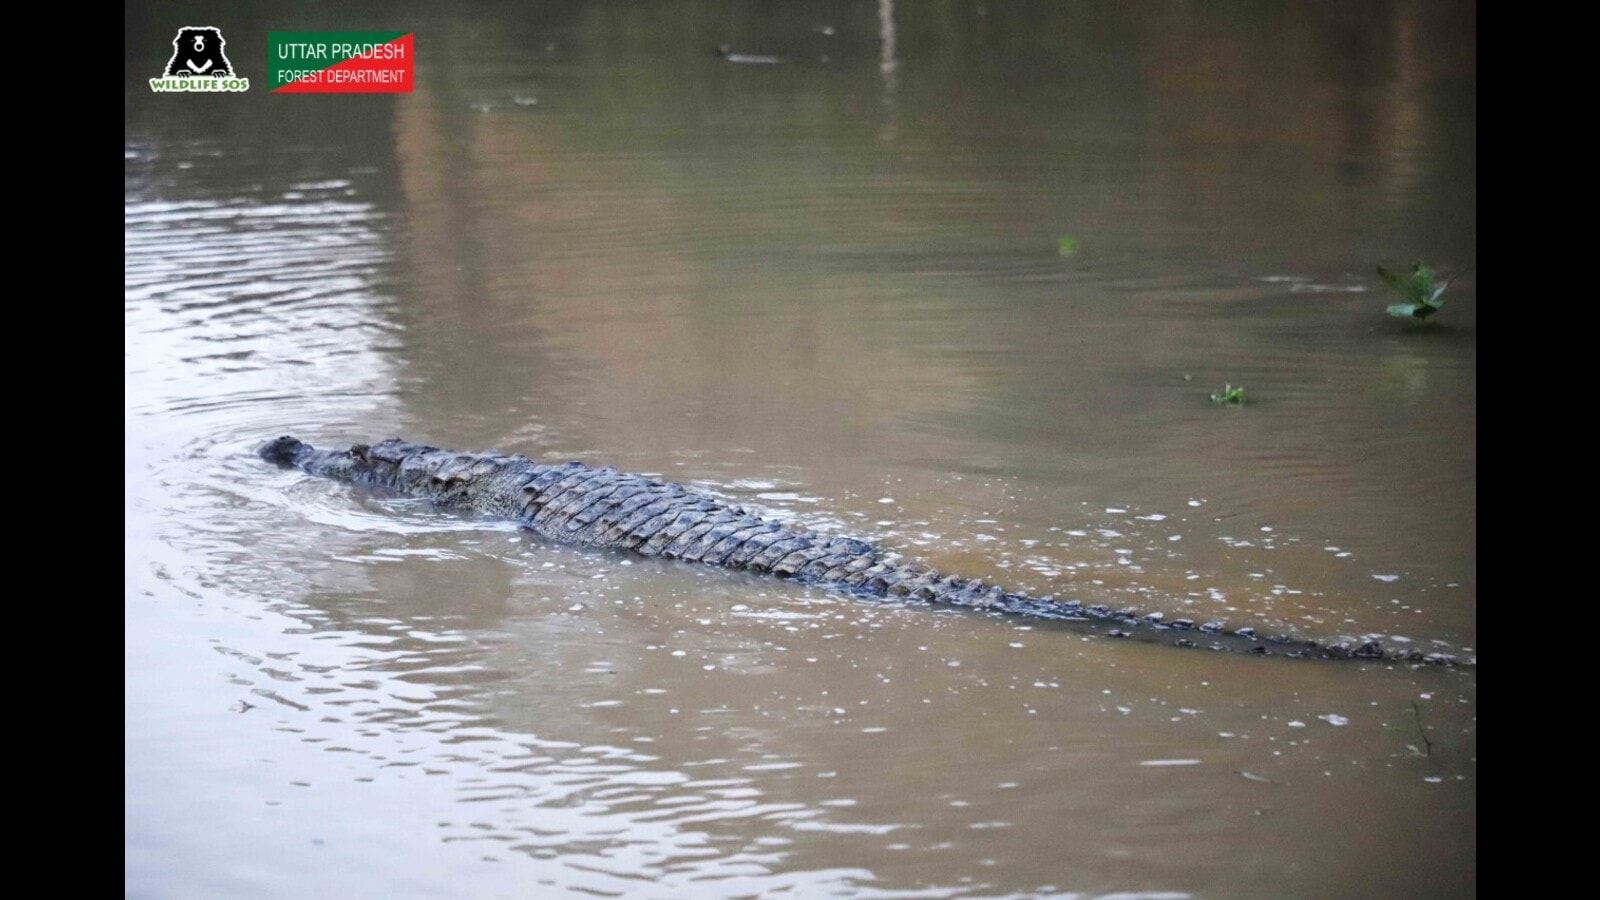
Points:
(394, 463)
(285, 451)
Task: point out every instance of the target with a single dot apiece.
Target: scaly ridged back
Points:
(576, 503)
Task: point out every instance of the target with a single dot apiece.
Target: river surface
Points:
(832, 287)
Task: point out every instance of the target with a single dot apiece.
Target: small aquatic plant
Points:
(1423, 297)
(1422, 732)
(1229, 396)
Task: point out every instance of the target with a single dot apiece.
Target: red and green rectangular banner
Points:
(340, 62)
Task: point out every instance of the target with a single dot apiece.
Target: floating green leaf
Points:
(1424, 297)
(1229, 396)
(1067, 245)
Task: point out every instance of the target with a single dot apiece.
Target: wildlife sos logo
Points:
(198, 63)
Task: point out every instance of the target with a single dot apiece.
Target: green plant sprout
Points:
(1066, 245)
(1423, 296)
(1229, 396)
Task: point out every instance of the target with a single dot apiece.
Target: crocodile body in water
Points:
(574, 503)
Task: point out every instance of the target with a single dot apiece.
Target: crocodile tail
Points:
(879, 578)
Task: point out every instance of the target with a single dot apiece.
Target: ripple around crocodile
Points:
(574, 503)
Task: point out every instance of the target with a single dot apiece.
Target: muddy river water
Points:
(831, 286)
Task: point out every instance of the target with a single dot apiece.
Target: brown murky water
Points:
(829, 287)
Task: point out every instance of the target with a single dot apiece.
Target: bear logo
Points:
(198, 51)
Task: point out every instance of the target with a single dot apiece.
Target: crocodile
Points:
(600, 506)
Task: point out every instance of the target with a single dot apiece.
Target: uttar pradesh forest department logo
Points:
(341, 62)
(198, 64)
